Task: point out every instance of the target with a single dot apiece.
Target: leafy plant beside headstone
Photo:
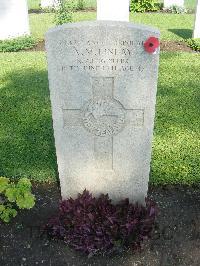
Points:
(80, 5)
(194, 44)
(144, 5)
(64, 13)
(14, 196)
(96, 225)
(17, 44)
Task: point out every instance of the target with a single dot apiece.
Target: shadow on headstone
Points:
(183, 33)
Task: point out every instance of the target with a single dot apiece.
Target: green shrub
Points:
(14, 196)
(17, 44)
(80, 5)
(64, 13)
(143, 5)
(194, 44)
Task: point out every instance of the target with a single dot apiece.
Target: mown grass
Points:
(176, 151)
(26, 140)
(26, 134)
(34, 4)
(172, 26)
(40, 23)
(190, 4)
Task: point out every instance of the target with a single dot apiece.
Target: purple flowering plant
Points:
(95, 225)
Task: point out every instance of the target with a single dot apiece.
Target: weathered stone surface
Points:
(196, 32)
(169, 3)
(113, 10)
(49, 3)
(103, 93)
(13, 19)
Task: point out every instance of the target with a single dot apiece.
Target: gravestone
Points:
(49, 3)
(196, 32)
(103, 92)
(13, 19)
(113, 10)
(169, 3)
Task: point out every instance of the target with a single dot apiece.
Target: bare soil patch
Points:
(175, 242)
(175, 46)
(170, 46)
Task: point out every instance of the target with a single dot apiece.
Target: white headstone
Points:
(103, 92)
(13, 19)
(169, 3)
(116, 10)
(196, 33)
(49, 3)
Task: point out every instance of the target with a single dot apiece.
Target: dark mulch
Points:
(36, 11)
(164, 45)
(40, 47)
(176, 239)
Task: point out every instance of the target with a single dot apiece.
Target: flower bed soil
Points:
(176, 238)
(42, 11)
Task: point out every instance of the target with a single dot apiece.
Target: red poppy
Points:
(151, 44)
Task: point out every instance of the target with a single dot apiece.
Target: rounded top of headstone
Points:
(105, 23)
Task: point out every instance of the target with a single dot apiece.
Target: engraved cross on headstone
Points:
(103, 117)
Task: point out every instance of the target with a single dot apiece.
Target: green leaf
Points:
(11, 193)
(4, 182)
(7, 213)
(17, 44)
(25, 201)
(24, 183)
(2, 208)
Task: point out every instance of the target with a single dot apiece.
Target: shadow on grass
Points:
(177, 129)
(26, 134)
(178, 96)
(183, 33)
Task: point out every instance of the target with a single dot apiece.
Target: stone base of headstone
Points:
(13, 19)
(103, 93)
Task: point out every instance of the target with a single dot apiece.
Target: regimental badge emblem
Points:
(103, 116)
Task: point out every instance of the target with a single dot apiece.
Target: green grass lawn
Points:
(34, 4)
(190, 4)
(172, 26)
(40, 23)
(26, 134)
(176, 151)
(26, 140)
